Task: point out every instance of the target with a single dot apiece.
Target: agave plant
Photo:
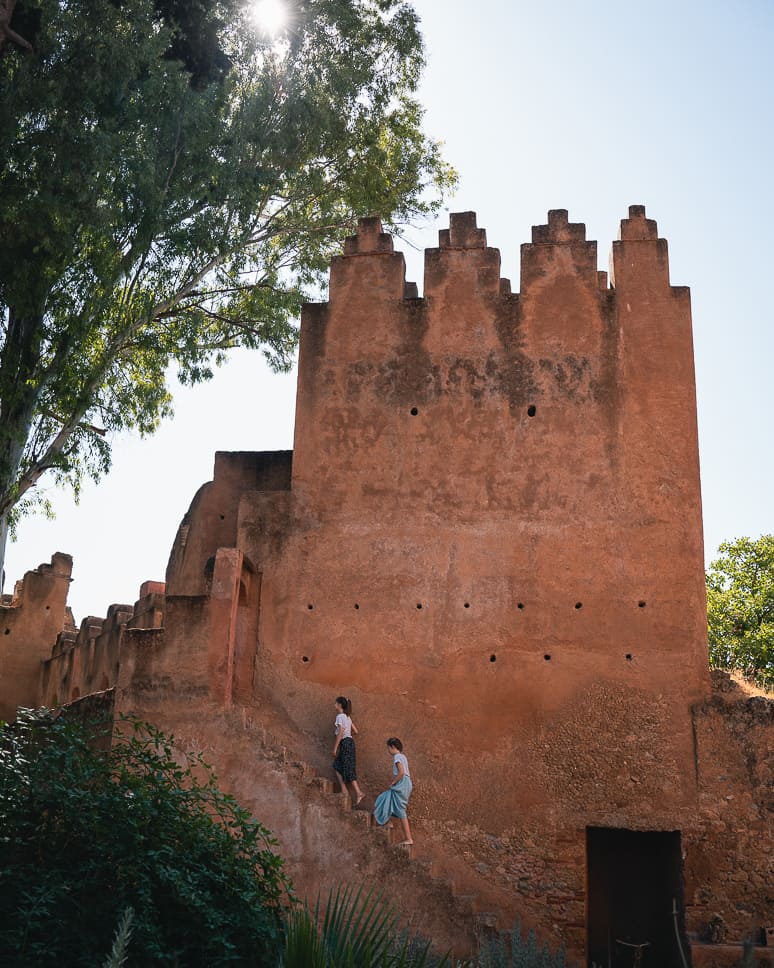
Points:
(520, 952)
(356, 930)
(119, 951)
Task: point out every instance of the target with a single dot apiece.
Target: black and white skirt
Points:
(345, 760)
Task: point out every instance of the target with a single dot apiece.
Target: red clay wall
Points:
(729, 866)
(495, 522)
(30, 621)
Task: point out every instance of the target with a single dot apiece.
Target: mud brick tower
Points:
(488, 535)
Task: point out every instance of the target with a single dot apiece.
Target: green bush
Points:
(90, 828)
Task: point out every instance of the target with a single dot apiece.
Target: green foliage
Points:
(740, 608)
(519, 952)
(356, 930)
(173, 185)
(89, 829)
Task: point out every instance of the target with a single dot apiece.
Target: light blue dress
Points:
(393, 802)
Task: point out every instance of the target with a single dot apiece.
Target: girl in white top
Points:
(344, 760)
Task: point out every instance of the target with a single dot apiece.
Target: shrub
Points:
(93, 824)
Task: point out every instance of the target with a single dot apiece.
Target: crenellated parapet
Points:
(463, 261)
(640, 259)
(88, 659)
(558, 248)
(370, 252)
(566, 345)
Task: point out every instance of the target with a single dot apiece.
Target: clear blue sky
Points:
(557, 104)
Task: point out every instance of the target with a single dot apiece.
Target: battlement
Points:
(464, 267)
(463, 233)
(558, 229)
(638, 228)
(369, 239)
(87, 659)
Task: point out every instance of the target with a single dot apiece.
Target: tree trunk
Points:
(3, 542)
(19, 394)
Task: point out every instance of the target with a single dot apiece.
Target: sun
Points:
(270, 16)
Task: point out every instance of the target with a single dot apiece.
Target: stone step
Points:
(466, 903)
(361, 816)
(485, 922)
(325, 786)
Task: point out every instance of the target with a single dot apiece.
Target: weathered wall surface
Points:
(324, 848)
(494, 529)
(729, 867)
(211, 520)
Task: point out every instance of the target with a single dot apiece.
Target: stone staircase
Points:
(459, 898)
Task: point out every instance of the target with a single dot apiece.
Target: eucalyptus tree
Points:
(174, 180)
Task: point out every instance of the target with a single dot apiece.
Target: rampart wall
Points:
(488, 535)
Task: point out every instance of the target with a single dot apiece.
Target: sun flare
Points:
(270, 16)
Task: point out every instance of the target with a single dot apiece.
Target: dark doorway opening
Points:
(634, 879)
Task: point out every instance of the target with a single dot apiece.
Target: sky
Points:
(589, 106)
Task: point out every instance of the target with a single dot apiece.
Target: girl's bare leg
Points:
(407, 831)
(340, 778)
(358, 792)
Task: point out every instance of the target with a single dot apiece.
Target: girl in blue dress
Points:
(393, 802)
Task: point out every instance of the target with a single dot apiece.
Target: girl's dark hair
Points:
(345, 704)
(395, 743)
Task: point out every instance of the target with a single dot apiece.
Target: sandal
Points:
(360, 799)
(406, 843)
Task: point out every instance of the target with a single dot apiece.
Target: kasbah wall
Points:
(488, 534)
